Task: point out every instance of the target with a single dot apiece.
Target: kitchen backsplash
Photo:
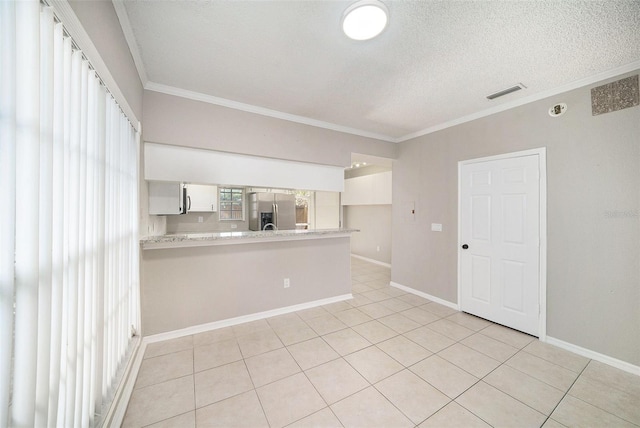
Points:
(188, 223)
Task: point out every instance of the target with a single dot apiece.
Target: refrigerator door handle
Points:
(273, 212)
(276, 215)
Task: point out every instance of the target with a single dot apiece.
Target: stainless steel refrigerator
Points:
(273, 210)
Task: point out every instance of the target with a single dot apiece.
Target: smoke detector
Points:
(558, 110)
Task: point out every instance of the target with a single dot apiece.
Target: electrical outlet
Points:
(287, 283)
(378, 248)
(234, 226)
(200, 219)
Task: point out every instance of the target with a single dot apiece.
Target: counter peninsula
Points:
(201, 281)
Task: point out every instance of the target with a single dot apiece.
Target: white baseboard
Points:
(614, 362)
(125, 389)
(118, 408)
(366, 259)
(201, 328)
(425, 295)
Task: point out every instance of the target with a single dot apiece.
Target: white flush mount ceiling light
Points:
(365, 19)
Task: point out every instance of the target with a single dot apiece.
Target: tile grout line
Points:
(393, 374)
(480, 379)
(397, 334)
(404, 367)
(193, 373)
(567, 393)
(367, 347)
(588, 378)
(255, 390)
(526, 374)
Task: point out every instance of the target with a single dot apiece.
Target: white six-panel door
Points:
(499, 241)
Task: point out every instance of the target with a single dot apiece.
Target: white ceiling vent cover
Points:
(506, 91)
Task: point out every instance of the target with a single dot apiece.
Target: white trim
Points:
(502, 156)
(197, 96)
(542, 235)
(127, 29)
(74, 27)
(366, 259)
(201, 328)
(122, 395)
(542, 224)
(614, 362)
(526, 100)
(425, 295)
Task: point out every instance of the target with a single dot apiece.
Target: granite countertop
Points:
(177, 240)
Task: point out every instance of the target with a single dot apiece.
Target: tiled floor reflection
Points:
(383, 359)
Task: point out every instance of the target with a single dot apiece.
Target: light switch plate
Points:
(436, 227)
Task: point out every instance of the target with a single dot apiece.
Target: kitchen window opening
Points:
(231, 203)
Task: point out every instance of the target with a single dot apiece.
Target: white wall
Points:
(101, 23)
(185, 287)
(366, 204)
(374, 223)
(179, 121)
(593, 167)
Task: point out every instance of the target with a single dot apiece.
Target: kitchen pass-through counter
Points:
(178, 240)
(195, 282)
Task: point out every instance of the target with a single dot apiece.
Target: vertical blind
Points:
(69, 302)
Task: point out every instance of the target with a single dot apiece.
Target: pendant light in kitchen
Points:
(365, 19)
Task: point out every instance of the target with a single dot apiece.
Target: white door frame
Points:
(542, 156)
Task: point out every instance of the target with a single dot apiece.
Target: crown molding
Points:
(63, 10)
(125, 24)
(198, 96)
(526, 100)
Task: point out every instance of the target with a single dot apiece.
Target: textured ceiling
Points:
(434, 64)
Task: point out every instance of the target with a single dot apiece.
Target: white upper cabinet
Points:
(327, 210)
(202, 198)
(382, 188)
(174, 163)
(374, 189)
(166, 198)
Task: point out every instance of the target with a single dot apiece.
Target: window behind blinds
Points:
(68, 226)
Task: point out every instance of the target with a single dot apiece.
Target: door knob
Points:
(465, 246)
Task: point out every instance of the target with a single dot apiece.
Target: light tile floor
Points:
(383, 359)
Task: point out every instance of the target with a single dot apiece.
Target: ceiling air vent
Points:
(506, 91)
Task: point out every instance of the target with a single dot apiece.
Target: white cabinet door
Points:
(202, 198)
(358, 191)
(381, 188)
(348, 194)
(374, 189)
(165, 198)
(327, 206)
